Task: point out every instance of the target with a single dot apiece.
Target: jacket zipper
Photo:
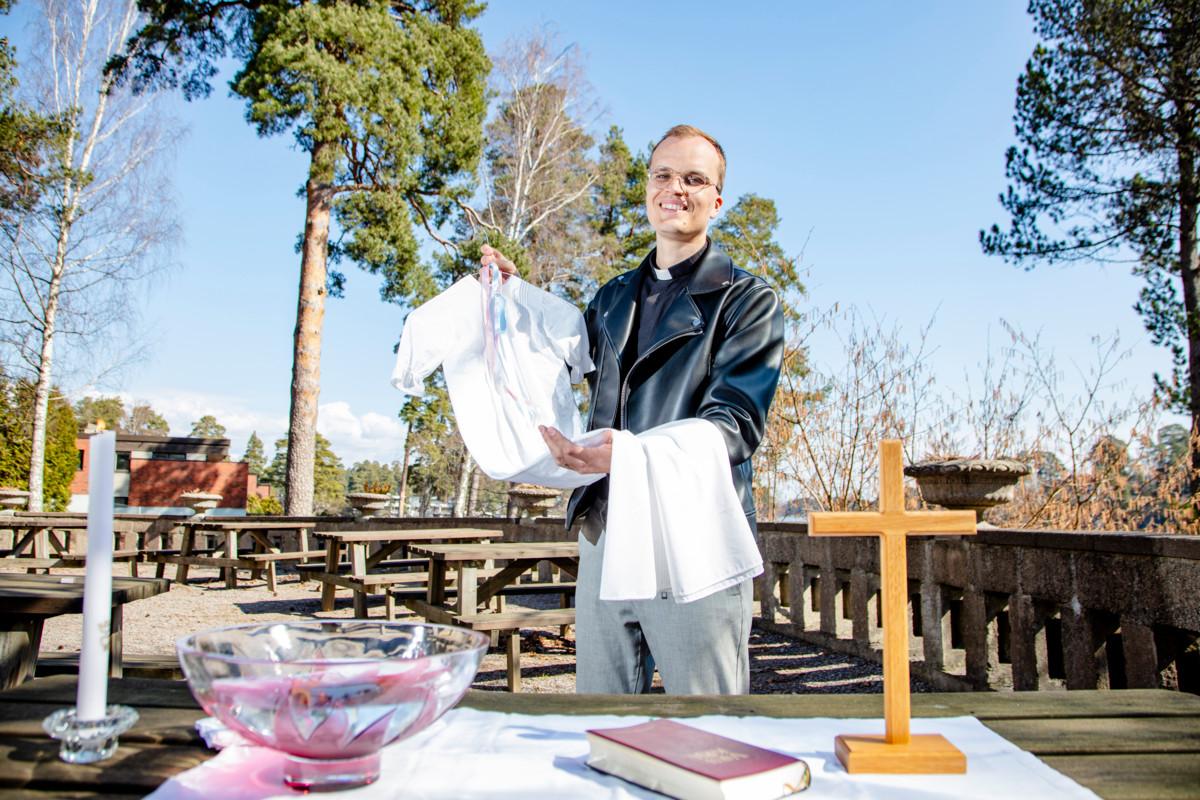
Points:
(625, 383)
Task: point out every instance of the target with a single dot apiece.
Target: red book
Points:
(691, 764)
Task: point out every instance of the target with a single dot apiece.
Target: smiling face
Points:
(680, 215)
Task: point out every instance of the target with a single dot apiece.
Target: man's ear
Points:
(720, 201)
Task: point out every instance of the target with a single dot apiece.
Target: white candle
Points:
(91, 701)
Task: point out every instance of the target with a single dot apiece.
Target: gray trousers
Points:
(700, 647)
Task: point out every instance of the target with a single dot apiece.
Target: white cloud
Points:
(369, 436)
(364, 436)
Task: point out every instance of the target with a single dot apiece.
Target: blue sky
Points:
(878, 128)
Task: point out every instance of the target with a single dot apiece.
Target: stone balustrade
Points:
(1004, 609)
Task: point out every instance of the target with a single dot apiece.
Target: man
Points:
(685, 335)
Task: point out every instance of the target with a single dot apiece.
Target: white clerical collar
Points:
(661, 274)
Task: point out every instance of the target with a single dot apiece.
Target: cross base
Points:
(922, 754)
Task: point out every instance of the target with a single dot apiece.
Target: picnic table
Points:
(377, 559)
(1132, 743)
(476, 584)
(265, 552)
(45, 542)
(27, 601)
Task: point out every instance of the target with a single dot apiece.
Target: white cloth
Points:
(674, 519)
(475, 754)
(499, 405)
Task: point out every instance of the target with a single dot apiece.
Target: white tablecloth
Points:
(476, 754)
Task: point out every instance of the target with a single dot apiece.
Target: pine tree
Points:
(1107, 164)
(388, 100)
(208, 427)
(254, 458)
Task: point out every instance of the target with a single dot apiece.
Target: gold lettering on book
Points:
(718, 755)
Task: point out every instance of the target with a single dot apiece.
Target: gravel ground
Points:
(778, 664)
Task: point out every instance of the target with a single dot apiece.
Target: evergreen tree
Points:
(143, 420)
(254, 458)
(1108, 161)
(109, 410)
(388, 100)
(208, 427)
(619, 208)
(328, 476)
(25, 138)
(374, 474)
(16, 443)
(747, 233)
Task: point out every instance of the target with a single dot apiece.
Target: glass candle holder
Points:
(88, 741)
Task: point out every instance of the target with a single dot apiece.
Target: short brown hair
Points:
(682, 131)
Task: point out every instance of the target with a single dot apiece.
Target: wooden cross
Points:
(897, 750)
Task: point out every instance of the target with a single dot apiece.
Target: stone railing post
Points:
(828, 587)
(1141, 654)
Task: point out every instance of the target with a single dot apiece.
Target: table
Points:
(27, 601)
(265, 553)
(35, 537)
(475, 588)
(477, 584)
(1133, 743)
(366, 570)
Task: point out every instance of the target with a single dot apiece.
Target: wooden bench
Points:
(143, 666)
(310, 571)
(68, 560)
(406, 594)
(154, 557)
(509, 625)
(414, 586)
(251, 561)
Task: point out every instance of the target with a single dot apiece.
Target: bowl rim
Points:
(181, 643)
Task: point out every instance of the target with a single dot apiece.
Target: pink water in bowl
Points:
(332, 717)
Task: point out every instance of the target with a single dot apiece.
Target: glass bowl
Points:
(330, 694)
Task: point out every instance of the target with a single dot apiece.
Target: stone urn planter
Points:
(12, 498)
(200, 502)
(368, 504)
(972, 484)
(527, 498)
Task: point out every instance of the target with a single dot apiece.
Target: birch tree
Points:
(538, 170)
(100, 223)
(537, 174)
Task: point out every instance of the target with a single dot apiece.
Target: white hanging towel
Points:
(510, 352)
(674, 518)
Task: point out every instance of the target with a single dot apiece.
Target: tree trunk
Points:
(310, 316)
(464, 485)
(1190, 272)
(1188, 149)
(41, 399)
(403, 490)
(473, 503)
(41, 394)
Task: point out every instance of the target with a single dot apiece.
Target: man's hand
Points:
(585, 460)
(493, 256)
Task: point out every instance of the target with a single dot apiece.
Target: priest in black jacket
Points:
(685, 335)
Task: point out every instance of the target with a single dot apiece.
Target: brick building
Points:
(152, 471)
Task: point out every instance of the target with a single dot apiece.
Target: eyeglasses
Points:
(664, 177)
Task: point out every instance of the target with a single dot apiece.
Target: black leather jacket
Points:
(716, 355)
